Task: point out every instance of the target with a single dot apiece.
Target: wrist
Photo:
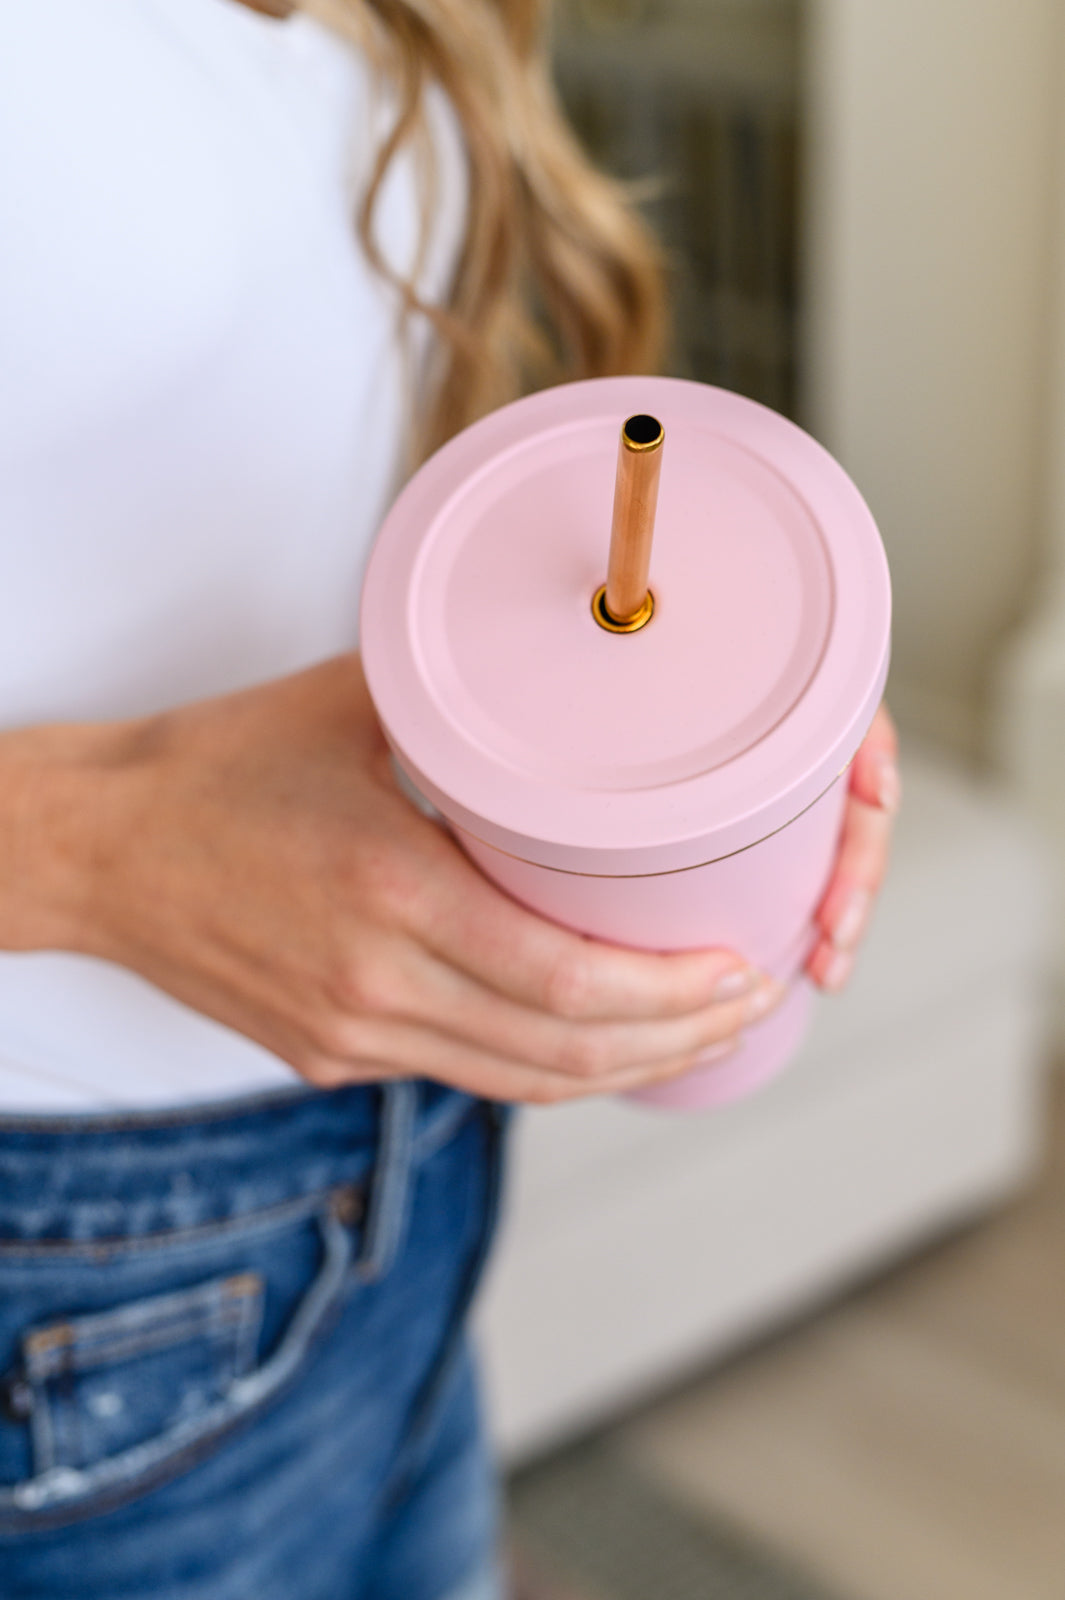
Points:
(61, 802)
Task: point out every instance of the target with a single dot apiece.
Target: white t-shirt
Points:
(202, 416)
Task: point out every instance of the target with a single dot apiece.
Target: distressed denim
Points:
(233, 1350)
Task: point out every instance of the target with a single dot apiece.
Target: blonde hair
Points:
(558, 276)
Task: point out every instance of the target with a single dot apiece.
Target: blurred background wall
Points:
(929, 179)
(865, 204)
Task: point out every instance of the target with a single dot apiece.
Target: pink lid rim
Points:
(641, 831)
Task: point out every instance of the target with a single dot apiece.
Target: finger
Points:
(410, 1051)
(435, 995)
(861, 863)
(845, 910)
(473, 926)
(830, 968)
(844, 913)
(874, 772)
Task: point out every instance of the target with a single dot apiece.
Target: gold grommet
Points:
(632, 624)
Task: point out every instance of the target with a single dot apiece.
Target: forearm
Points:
(59, 789)
(251, 856)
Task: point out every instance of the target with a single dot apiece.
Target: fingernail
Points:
(736, 983)
(850, 924)
(889, 786)
(837, 970)
(764, 999)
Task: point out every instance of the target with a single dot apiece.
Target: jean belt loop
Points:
(386, 1213)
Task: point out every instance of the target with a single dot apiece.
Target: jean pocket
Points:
(116, 1401)
(102, 1385)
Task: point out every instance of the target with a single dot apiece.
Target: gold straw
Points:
(624, 603)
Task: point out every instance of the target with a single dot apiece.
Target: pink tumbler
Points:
(670, 779)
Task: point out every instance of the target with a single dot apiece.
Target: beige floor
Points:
(909, 1444)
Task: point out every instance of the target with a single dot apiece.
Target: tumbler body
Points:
(678, 788)
(759, 901)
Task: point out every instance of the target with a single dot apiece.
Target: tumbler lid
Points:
(544, 735)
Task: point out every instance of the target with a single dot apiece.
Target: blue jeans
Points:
(233, 1354)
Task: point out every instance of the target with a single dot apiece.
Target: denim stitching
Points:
(211, 1312)
(42, 1435)
(65, 1363)
(211, 1302)
(246, 1341)
(494, 1122)
(90, 1122)
(82, 1491)
(442, 1127)
(390, 1184)
(106, 1122)
(176, 1238)
(57, 1486)
(74, 1358)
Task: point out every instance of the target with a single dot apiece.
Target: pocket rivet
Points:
(242, 1285)
(348, 1206)
(46, 1340)
(16, 1399)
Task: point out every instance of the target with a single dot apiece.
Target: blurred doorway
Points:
(698, 102)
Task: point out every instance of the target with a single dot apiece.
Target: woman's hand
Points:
(252, 856)
(863, 854)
